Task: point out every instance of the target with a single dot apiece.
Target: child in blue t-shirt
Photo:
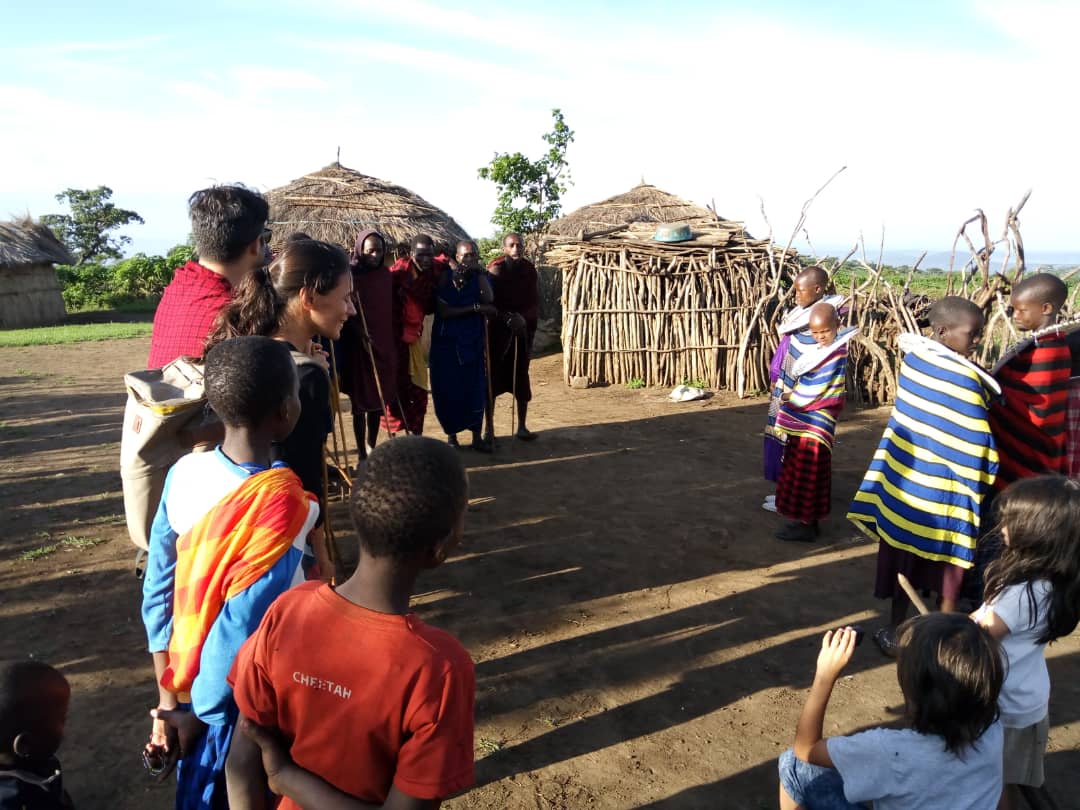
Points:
(949, 758)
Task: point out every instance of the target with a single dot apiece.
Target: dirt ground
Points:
(641, 640)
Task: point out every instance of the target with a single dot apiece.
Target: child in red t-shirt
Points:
(347, 699)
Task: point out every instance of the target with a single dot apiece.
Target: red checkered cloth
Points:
(1074, 428)
(186, 313)
(804, 491)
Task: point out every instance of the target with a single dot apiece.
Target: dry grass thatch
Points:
(703, 311)
(335, 203)
(643, 203)
(24, 242)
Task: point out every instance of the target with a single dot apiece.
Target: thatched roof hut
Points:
(642, 203)
(335, 203)
(702, 311)
(29, 289)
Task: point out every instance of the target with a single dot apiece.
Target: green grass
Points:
(635, 383)
(73, 333)
(71, 541)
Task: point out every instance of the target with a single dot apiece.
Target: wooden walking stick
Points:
(513, 390)
(374, 368)
(328, 531)
(916, 600)
(335, 405)
(487, 372)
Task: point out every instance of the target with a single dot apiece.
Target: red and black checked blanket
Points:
(1029, 422)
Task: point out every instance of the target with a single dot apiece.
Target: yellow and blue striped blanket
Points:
(936, 460)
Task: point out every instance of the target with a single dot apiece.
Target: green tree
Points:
(87, 230)
(530, 190)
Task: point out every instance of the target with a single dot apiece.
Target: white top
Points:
(1025, 696)
(903, 770)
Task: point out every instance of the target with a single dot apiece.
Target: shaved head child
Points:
(33, 711)
(1030, 420)
(810, 287)
(922, 495)
(807, 418)
(374, 704)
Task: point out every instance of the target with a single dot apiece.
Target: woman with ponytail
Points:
(304, 294)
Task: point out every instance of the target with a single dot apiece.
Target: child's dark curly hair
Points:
(248, 378)
(413, 493)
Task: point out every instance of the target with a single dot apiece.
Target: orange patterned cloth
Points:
(230, 548)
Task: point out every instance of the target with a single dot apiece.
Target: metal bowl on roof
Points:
(673, 232)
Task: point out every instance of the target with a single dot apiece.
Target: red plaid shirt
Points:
(186, 313)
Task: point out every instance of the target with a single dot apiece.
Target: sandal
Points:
(885, 639)
(525, 434)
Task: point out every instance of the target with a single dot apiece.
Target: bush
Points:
(84, 286)
(104, 286)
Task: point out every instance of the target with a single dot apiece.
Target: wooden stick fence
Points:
(707, 310)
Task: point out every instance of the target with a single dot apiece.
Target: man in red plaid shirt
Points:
(229, 226)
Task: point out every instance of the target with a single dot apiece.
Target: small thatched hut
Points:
(642, 203)
(29, 289)
(702, 311)
(335, 203)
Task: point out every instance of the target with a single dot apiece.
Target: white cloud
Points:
(729, 110)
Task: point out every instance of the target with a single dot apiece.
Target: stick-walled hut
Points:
(335, 203)
(29, 288)
(642, 203)
(703, 310)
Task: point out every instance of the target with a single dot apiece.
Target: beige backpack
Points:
(161, 402)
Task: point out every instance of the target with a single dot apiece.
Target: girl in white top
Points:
(1032, 597)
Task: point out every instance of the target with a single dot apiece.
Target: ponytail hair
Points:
(1041, 516)
(263, 298)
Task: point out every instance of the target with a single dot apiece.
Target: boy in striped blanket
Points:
(922, 495)
(807, 418)
(227, 540)
(1029, 422)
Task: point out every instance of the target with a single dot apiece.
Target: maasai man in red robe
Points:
(1029, 422)
(369, 333)
(415, 278)
(517, 298)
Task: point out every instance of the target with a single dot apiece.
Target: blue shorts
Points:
(813, 786)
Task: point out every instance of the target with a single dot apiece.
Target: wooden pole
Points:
(374, 368)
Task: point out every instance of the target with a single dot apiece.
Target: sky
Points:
(934, 108)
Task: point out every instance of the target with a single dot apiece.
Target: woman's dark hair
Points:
(225, 220)
(1041, 517)
(263, 296)
(950, 671)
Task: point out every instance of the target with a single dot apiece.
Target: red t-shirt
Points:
(186, 313)
(366, 700)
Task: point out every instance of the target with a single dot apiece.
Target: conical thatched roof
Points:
(643, 203)
(335, 203)
(24, 241)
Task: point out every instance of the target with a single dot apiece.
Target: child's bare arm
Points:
(286, 778)
(991, 622)
(245, 778)
(836, 650)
